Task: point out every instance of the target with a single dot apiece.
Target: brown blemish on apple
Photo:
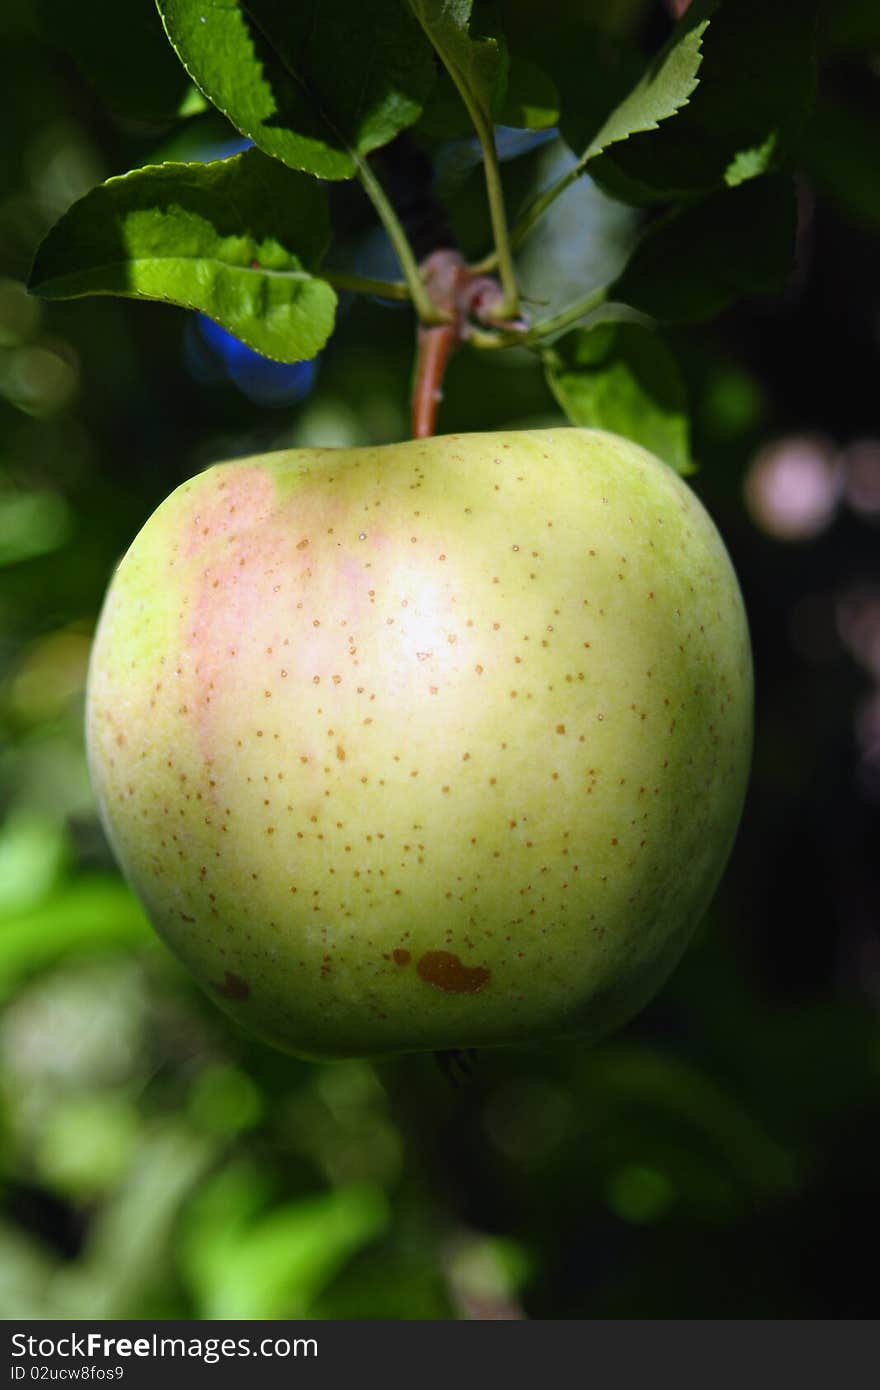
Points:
(233, 987)
(401, 957)
(445, 971)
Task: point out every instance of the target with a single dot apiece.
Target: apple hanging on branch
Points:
(434, 745)
(444, 743)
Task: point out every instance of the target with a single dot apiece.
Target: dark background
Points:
(719, 1157)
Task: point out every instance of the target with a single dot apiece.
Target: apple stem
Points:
(465, 297)
(434, 347)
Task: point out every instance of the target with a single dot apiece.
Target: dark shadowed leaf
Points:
(531, 102)
(205, 236)
(755, 92)
(596, 116)
(317, 86)
(122, 51)
(691, 265)
(622, 377)
(592, 70)
(666, 86)
(841, 152)
(851, 26)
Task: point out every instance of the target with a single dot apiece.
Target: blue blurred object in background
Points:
(456, 159)
(223, 149)
(213, 354)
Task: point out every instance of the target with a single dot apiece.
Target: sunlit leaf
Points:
(317, 86)
(234, 238)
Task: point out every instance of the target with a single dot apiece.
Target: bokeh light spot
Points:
(639, 1194)
(793, 486)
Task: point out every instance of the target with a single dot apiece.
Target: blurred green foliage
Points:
(718, 1158)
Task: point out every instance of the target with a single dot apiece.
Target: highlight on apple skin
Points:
(433, 745)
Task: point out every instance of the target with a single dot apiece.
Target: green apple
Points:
(441, 744)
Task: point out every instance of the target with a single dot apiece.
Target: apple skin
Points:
(440, 744)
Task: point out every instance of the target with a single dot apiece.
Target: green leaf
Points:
(33, 851)
(749, 164)
(445, 115)
(675, 1118)
(86, 1145)
(32, 523)
(272, 1264)
(592, 70)
(689, 266)
(531, 101)
(755, 93)
(463, 36)
(128, 1253)
(840, 153)
(90, 912)
(193, 104)
(664, 88)
(122, 51)
(623, 378)
(27, 1271)
(205, 236)
(317, 86)
(852, 26)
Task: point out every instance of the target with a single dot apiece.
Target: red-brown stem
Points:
(462, 294)
(434, 346)
(441, 272)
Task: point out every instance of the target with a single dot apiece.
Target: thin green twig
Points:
(545, 330)
(509, 306)
(530, 218)
(362, 284)
(536, 209)
(425, 307)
